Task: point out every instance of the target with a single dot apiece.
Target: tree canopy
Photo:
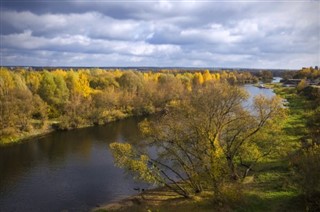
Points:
(203, 140)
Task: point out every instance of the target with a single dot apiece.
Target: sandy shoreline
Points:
(143, 200)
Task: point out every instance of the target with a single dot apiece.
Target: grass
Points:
(298, 113)
(19, 137)
(272, 201)
(267, 189)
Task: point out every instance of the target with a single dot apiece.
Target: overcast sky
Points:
(247, 34)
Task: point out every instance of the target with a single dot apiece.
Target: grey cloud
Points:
(163, 33)
(79, 43)
(91, 24)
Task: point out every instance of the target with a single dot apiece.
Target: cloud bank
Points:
(268, 34)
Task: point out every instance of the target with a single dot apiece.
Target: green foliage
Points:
(265, 76)
(302, 128)
(33, 81)
(131, 81)
(302, 84)
(47, 88)
(139, 164)
(61, 92)
(204, 139)
(309, 73)
(16, 104)
(307, 175)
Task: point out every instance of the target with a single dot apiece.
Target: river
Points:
(70, 170)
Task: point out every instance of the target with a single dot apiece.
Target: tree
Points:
(207, 76)
(169, 88)
(33, 81)
(103, 81)
(131, 81)
(199, 140)
(306, 165)
(266, 75)
(247, 134)
(302, 84)
(61, 92)
(40, 109)
(198, 79)
(16, 104)
(47, 88)
(6, 86)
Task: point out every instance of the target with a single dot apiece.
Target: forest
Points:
(37, 101)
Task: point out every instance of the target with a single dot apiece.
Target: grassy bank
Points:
(21, 136)
(298, 114)
(51, 126)
(267, 189)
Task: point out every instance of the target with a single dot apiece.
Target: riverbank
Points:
(23, 136)
(51, 126)
(266, 190)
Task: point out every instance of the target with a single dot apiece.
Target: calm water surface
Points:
(255, 91)
(70, 170)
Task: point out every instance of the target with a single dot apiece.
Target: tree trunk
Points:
(245, 174)
(233, 172)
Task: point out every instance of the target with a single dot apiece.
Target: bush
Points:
(9, 131)
(307, 176)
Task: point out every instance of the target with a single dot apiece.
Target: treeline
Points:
(34, 100)
(304, 73)
(265, 76)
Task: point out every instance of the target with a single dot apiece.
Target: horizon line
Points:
(153, 67)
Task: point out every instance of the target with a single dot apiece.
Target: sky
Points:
(100, 33)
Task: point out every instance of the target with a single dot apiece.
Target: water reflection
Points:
(65, 170)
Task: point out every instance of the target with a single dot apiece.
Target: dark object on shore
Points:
(139, 189)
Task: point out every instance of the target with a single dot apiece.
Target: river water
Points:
(70, 170)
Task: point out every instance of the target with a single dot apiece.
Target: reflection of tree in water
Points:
(58, 148)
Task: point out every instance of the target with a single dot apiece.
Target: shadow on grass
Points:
(272, 201)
